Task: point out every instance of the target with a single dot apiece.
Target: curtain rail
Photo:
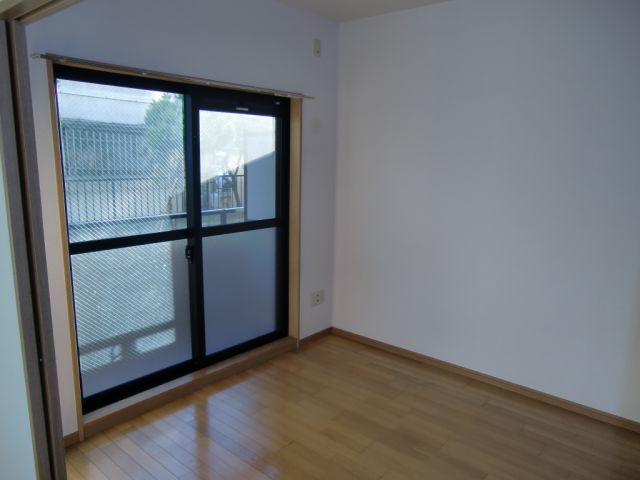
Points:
(109, 67)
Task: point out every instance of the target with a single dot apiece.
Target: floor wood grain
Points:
(342, 410)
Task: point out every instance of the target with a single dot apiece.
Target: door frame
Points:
(27, 238)
(291, 183)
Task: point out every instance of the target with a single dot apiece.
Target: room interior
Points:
(320, 239)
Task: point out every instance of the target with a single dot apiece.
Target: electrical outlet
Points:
(317, 48)
(317, 298)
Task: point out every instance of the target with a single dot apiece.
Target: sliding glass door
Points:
(238, 225)
(177, 214)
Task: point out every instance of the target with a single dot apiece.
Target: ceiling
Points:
(339, 10)
(343, 10)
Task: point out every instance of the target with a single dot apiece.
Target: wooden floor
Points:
(340, 410)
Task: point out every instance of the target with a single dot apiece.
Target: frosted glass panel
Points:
(132, 313)
(237, 167)
(239, 287)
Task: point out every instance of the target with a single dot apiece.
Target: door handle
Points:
(188, 253)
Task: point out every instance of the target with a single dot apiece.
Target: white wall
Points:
(256, 42)
(488, 191)
(16, 441)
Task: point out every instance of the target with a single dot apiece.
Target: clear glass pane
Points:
(123, 158)
(132, 312)
(239, 287)
(237, 167)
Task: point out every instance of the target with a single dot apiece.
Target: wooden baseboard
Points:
(71, 439)
(137, 405)
(496, 382)
(316, 336)
(127, 409)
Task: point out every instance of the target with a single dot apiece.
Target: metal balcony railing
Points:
(114, 201)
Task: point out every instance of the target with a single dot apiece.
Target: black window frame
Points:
(196, 98)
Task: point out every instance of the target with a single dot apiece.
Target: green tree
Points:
(164, 121)
(164, 134)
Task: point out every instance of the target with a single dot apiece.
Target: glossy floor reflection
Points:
(340, 410)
